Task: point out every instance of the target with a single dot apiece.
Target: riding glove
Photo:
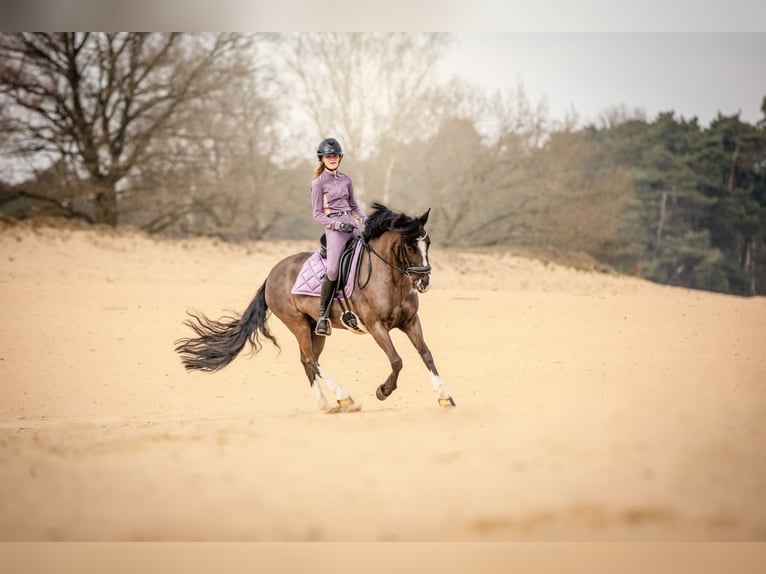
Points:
(346, 228)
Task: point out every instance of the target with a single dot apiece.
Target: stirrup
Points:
(323, 327)
(351, 321)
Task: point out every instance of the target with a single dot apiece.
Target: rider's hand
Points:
(346, 228)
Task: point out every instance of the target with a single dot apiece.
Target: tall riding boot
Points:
(325, 304)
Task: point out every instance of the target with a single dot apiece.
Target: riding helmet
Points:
(329, 146)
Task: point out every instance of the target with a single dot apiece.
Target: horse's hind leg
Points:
(312, 372)
(311, 347)
(343, 398)
(302, 331)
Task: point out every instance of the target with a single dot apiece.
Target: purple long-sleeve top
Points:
(331, 194)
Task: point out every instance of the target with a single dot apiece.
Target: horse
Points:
(394, 260)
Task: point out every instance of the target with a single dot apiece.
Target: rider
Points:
(335, 207)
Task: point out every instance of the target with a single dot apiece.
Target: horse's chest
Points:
(401, 314)
(396, 315)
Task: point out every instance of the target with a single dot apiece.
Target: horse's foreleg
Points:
(383, 339)
(415, 333)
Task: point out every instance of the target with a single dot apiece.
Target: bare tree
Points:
(214, 175)
(364, 87)
(474, 168)
(102, 101)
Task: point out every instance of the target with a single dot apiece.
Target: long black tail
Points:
(219, 342)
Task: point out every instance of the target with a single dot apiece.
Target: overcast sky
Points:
(693, 74)
(695, 57)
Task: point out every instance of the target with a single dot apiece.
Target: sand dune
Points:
(589, 406)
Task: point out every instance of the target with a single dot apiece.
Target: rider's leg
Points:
(325, 304)
(336, 241)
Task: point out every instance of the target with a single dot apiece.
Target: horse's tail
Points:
(219, 342)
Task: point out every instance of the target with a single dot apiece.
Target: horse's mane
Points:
(383, 219)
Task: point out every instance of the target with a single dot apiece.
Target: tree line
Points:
(213, 134)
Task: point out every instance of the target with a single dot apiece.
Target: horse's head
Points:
(412, 245)
(414, 254)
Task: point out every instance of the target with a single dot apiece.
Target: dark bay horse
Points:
(393, 269)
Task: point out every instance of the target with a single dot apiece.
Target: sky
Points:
(694, 57)
(693, 74)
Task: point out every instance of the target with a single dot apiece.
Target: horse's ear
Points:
(424, 217)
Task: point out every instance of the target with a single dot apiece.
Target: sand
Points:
(590, 407)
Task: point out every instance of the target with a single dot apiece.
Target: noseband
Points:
(412, 270)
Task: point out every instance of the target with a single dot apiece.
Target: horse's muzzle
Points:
(422, 283)
(421, 277)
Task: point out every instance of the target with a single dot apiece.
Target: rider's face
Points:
(331, 162)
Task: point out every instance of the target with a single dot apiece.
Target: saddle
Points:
(309, 279)
(344, 267)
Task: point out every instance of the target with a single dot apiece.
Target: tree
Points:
(215, 176)
(583, 201)
(702, 195)
(736, 169)
(363, 88)
(101, 102)
(471, 166)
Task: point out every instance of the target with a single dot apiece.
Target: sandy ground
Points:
(589, 406)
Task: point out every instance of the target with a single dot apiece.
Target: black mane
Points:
(383, 219)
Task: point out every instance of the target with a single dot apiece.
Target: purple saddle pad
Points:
(309, 279)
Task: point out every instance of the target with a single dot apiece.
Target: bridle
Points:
(413, 272)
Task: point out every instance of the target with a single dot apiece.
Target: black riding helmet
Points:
(329, 146)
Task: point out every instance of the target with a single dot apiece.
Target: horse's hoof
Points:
(446, 402)
(348, 405)
(380, 394)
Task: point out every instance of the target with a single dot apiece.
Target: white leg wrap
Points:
(438, 385)
(319, 395)
(340, 392)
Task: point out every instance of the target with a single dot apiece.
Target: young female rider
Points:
(334, 205)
